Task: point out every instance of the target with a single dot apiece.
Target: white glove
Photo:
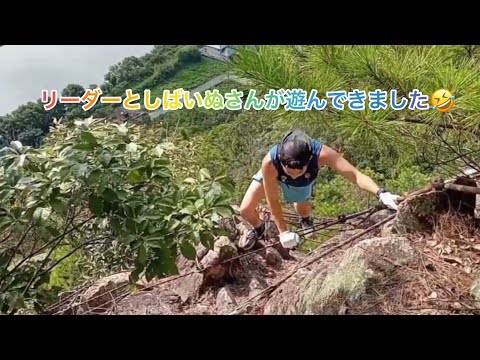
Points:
(289, 239)
(389, 200)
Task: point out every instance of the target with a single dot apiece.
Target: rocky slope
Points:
(424, 261)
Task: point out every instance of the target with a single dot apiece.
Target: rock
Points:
(230, 225)
(417, 214)
(256, 285)
(201, 309)
(98, 297)
(378, 216)
(188, 287)
(284, 253)
(475, 289)
(185, 265)
(273, 257)
(157, 302)
(225, 248)
(343, 276)
(216, 272)
(201, 251)
(271, 230)
(212, 258)
(388, 229)
(225, 300)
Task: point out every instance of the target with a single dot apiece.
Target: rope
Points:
(171, 278)
(267, 219)
(310, 262)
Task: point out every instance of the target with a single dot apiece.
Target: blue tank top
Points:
(312, 168)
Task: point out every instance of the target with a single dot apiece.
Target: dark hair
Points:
(295, 149)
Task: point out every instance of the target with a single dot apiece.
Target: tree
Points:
(397, 136)
(74, 110)
(95, 183)
(28, 123)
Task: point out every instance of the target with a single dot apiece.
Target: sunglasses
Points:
(295, 167)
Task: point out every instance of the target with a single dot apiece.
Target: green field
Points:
(192, 76)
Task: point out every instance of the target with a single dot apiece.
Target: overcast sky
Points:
(25, 70)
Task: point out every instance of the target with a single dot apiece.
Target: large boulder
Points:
(344, 276)
(100, 296)
(418, 213)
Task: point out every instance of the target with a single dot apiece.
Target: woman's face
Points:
(294, 173)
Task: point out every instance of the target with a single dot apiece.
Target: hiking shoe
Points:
(247, 241)
(307, 226)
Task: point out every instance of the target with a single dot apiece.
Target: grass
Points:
(192, 76)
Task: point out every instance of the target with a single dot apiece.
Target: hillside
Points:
(107, 213)
(411, 262)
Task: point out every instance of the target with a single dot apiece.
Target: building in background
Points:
(218, 52)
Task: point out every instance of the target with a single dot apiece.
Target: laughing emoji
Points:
(442, 100)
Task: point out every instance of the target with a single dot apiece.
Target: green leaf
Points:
(53, 231)
(89, 138)
(188, 250)
(116, 226)
(204, 174)
(28, 215)
(142, 226)
(105, 159)
(135, 176)
(176, 197)
(94, 177)
(54, 193)
(135, 274)
(142, 255)
(224, 210)
(16, 212)
(207, 239)
(222, 200)
(95, 204)
(110, 195)
(158, 151)
(8, 163)
(200, 192)
(190, 210)
(127, 239)
(228, 187)
(59, 206)
(200, 203)
(122, 195)
(159, 163)
(4, 257)
(173, 224)
(190, 180)
(6, 194)
(128, 210)
(152, 270)
(131, 226)
(84, 147)
(41, 214)
(148, 171)
(221, 231)
(209, 197)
